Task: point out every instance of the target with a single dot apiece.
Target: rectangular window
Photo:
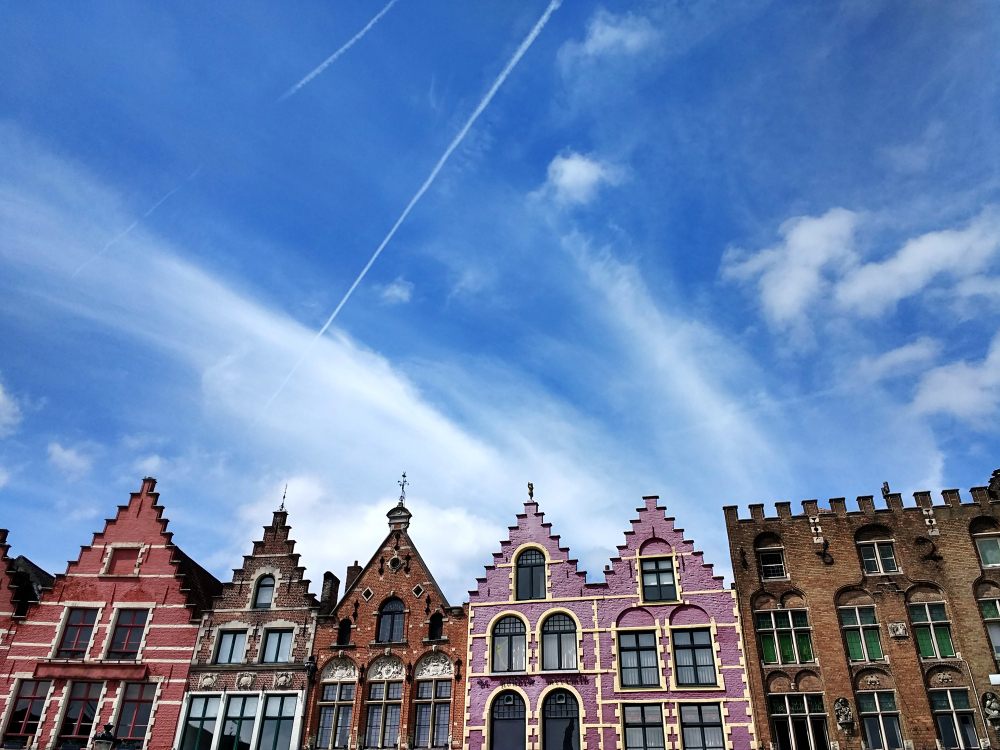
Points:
(76, 635)
(878, 557)
(277, 646)
(932, 630)
(23, 721)
(990, 609)
(644, 727)
(638, 664)
(232, 644)
(199, 729)
(989, 550)
(880, 720)
(133, 718)
(694, 657)
(658, 580)
(433, 716)
(128, 632)
(861, 633)
(336, 707)
(78, 721)
(954, 718)
(701, 726)
(772, 563)
(276, 727)
(785, 636)
(383, 705)
(123, 562)
(237, 729)
(798, 721)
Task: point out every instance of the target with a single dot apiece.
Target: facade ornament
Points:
(873, 681)
(944, 678)
(991, 708)
(386, 668)
(244, 680)
(434, 664)
(340, 669)
(207, 681)
(844, 715)
(531, 490)
(898, 630)
(283, 680)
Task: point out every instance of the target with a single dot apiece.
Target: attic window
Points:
(124, 561)
(418, 590)
(367, 594)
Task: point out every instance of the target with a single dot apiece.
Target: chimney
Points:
(353, 571)
(331, 587)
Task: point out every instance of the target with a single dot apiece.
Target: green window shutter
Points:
(873, 643)
(769, 652)
(925, 644)
(805, 646)
(786, 647)
(942, 634)
(854, 650)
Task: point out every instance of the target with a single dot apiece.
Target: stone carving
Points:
(898, 630)
(340, 669)
(207, 681)
(386, 668)
(873, 681)
(991, 708)
(244, 680)
(842, 711)
(944, 678)
(434, 665)
(283, 680)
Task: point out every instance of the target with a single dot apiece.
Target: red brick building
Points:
(391, 655)
(253, 668)
(110, 642)
(877, 627)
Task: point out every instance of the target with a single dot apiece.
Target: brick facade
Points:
(390, 655)
(864, 626)
(110, 642)
(253, 656)
(556, 663)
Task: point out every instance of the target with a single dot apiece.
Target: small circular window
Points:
(394, 564)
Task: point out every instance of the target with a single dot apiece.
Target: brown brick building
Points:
(391, 655)
(252, 668)
(877, 627)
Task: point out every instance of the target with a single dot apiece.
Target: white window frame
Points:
(772, 551)
(877, 545)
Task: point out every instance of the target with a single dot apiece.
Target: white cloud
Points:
(398, 292)
(903, 360)
(610, 34)
(72, 462)
(575, 178)
(4, 477)
(969, 391)
(10, 413)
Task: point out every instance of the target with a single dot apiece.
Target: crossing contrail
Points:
(125, 232)
(333, 58)
(455, 142)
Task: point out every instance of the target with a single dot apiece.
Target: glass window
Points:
(638, 663)
(507, 725)
(435, 628)
(559, 643)
(932, 630)
(390, 622)
(78, 721)
(433, 714)
(990, 609)
(798, 721)
(658, 580)
(129, 628)
(383, 706)
(861, 633)
(694, 657)
(76, 635)
(772, 563)
(701, 726)
(785, 636)
(344, 632)
(531, 575)
(508, 645)
(643, 727)
(336, 708)
(199, 729)
(237, 729)
(560, 721)
(276, 727)
(277, 646)
(880, 720)
(878, 557)
(232, 644)
(989, 550)
(264, 594)
(133, 719)
(954, 718)
(23, 721)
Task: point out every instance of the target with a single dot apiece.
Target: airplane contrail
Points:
(455, 142)
(125, 232)
(333, 58)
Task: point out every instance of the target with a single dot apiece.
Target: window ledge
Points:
(342, 646)
(429, 641)
(387, 644)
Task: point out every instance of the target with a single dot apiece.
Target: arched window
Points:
(390, 622)
(264, 594)
(508, 645)
(559, 643)
(435, 630)
(876, 550)
(344, 632)
(531, 575)
(770, 556)
(507, 727)
(561, 719)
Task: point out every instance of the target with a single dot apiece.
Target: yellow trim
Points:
(513, 570)
(658, 629)
(489, 643)
(678, 593)
(716, 658)
(579, 640)
(487, 721)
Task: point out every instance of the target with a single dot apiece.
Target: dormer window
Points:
(263, 595)
(770, 557)
(530, 575)
(390, 622)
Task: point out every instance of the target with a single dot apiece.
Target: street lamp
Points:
(106, 739)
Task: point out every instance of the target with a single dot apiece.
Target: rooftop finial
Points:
(402, 489)
(531, 490)
(284, 494)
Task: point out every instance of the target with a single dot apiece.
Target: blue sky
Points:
(723, 252)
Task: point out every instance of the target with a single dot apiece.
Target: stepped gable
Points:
(22, 583)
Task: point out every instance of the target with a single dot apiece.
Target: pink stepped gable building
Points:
(650, 659)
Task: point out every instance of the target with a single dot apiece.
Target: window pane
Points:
(873, 643)
(943, 636)
(805, 646)
(854, 650)
(925, 644)
(989, 550)
(888, 557)
(990, 609)
(768, 649)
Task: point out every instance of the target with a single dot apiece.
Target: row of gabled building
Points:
(845, 629)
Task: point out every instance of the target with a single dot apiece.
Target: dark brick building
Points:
(253, 668)
(391, 655)
(877, 627)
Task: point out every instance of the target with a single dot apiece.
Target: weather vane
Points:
(284, 494)
(402, 489)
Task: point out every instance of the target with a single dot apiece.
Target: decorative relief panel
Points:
(434, 665)
(386, 668)
(340, 669)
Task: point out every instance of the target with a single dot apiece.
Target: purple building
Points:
(649, 659)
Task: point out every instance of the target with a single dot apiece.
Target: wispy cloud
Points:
(10, 413)
(610, 34)
(73, 462)
(333, 58)
(397, 292)
(968, 391)
(574, 179)
(901, 361)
